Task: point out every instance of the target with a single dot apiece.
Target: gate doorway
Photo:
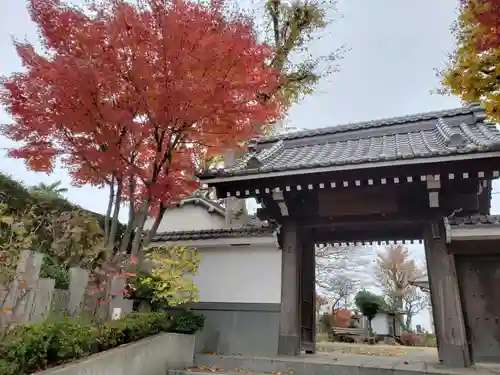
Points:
(480, 295)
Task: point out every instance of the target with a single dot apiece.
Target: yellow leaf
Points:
(9, 220)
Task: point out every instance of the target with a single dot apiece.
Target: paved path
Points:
(381, 350)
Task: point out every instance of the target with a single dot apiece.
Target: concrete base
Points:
(335, 363)
(151, 356)
(238, 328)
(288, 345)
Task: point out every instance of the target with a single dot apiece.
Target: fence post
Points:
(42, 302)
(116, 289)
(18, 303)
(78, 280)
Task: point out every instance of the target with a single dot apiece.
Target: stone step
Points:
(331, 364)
(193, 372)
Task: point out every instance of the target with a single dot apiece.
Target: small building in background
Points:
(385, 324)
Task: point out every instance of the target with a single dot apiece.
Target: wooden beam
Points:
(346, 202)
(279, 198)
(356, 222)
(451, 336)
(289, 331)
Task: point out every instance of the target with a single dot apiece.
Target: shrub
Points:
(35, 347)
(326, 322)
(428, 339)
(32, 347)
(133, 327)
(187, 322)
(410, 339)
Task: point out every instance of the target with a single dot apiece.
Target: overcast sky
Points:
(394, 47)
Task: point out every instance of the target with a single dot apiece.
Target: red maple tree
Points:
(131, 96)
(341, 318)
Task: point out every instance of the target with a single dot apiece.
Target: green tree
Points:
(291, 27)
(369, 304)
(53, 189)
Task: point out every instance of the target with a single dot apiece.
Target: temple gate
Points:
(421, 177)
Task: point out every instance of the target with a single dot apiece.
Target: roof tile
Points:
(475, 220)
(433, 134)
(253, 230)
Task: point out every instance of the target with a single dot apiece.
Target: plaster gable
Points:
(186, 218)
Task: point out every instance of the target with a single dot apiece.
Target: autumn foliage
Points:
(341, 318)
(472, 70)
(487, 14)
(132, 96)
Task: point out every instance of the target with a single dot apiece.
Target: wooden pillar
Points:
(449, 324)
(289, 333)
(308, 297)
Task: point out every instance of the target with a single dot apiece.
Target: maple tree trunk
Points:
(154, 228)
(107, 218)
(140, 221)
(114, 221)
(134, 224)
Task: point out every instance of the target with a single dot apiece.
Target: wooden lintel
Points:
(348, 203)
(389, 234)
(357, 222)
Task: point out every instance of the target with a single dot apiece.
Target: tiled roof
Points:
(475, 221)
(254, 230)
(208, 204)
(426, 135)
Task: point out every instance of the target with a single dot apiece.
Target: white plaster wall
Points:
(240, 274)
(380, 325)
(187, 217)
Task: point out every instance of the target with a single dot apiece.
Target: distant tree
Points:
(413, 302)
(320, 301)
(339, 289)
(395, 270)
(54, 189)
(348, 261)
(370, 305)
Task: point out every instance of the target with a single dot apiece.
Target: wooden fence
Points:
(32, 299)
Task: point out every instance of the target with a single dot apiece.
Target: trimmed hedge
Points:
(36, 347)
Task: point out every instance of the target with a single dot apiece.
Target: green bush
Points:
(35, 347)
(187, 322)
